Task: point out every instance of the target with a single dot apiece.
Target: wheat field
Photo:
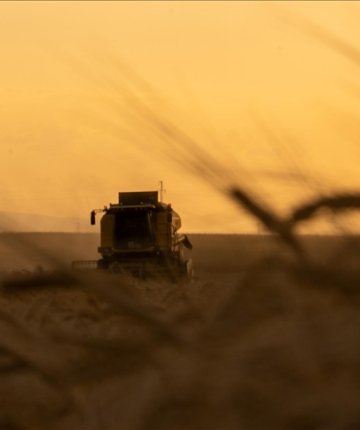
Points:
(257, 340)
(265, 337)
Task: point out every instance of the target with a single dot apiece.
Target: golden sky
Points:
(274, 105)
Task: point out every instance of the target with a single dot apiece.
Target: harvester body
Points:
(139, 235)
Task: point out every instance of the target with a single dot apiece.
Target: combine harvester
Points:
(139, 236)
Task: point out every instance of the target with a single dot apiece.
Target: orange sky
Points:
(269, 101)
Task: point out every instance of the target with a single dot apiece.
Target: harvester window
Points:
(132, 230)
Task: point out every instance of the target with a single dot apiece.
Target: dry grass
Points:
(273, 345)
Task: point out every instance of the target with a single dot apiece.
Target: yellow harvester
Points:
(139, 235)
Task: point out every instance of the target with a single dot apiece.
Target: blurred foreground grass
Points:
(258, 340)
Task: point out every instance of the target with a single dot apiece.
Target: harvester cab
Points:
(139, 235)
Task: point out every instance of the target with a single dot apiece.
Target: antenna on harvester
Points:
(161, 190)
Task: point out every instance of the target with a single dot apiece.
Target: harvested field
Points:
(257, 340)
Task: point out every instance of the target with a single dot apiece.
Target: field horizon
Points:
(210, 252)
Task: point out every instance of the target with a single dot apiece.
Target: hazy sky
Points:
(273, 104)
